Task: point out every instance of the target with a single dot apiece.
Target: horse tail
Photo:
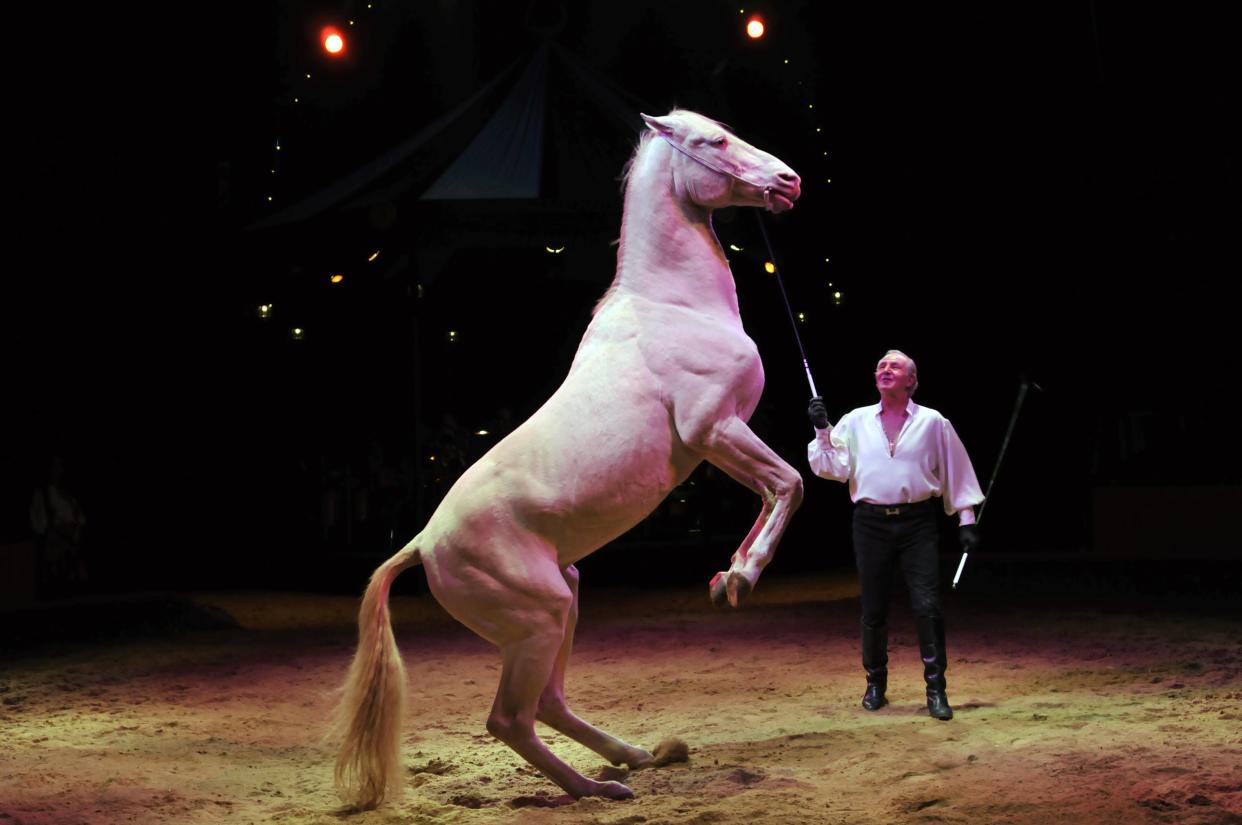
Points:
(368, 717)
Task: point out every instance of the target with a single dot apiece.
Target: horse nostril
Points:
(789, 177)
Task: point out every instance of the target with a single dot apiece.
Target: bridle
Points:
(767, 201)
(767, 190)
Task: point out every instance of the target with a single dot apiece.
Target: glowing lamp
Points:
(333, 41)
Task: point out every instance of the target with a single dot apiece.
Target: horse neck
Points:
(669, 252)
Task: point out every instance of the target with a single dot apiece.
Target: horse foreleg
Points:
(554, 712)
(717, 587)
(733, 447)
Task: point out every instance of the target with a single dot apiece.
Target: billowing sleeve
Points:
(829, 453)
(957, 475)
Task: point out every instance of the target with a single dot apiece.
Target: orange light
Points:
(333, 41)
(337, 278)
(755, 27)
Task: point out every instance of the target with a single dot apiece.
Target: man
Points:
(897, 458)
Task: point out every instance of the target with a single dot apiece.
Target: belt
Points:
(892, 509)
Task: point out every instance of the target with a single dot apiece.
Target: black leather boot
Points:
(931, 649)
(875, 663)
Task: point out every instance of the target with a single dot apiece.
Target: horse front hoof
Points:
(737, 587)
(718, 590)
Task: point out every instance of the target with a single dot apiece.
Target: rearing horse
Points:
(665, 377)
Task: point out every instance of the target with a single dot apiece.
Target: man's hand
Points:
(818, 413)
(970, 538)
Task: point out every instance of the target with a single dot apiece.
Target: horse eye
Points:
(720, 141)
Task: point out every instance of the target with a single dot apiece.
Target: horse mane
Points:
(643, 140)
(646, 138)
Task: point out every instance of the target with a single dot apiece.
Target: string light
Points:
(333, 42)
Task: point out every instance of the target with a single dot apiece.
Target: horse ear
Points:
(663, 125)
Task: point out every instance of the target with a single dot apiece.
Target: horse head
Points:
(715, 168)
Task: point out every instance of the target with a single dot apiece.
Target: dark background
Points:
(1047, 193)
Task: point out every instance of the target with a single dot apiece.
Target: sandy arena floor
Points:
(1065, 714)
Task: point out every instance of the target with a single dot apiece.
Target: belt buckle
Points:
(892, 511)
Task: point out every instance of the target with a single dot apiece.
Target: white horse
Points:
(664, 378)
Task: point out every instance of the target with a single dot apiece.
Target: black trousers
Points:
(909, 538)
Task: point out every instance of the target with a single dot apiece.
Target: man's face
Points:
(892, 374)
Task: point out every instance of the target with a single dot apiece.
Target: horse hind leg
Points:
(527, 666)
(522, 608)
(553, 710)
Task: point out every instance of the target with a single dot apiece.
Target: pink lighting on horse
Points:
(500, 548)
(755, 27)
(333, 41)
